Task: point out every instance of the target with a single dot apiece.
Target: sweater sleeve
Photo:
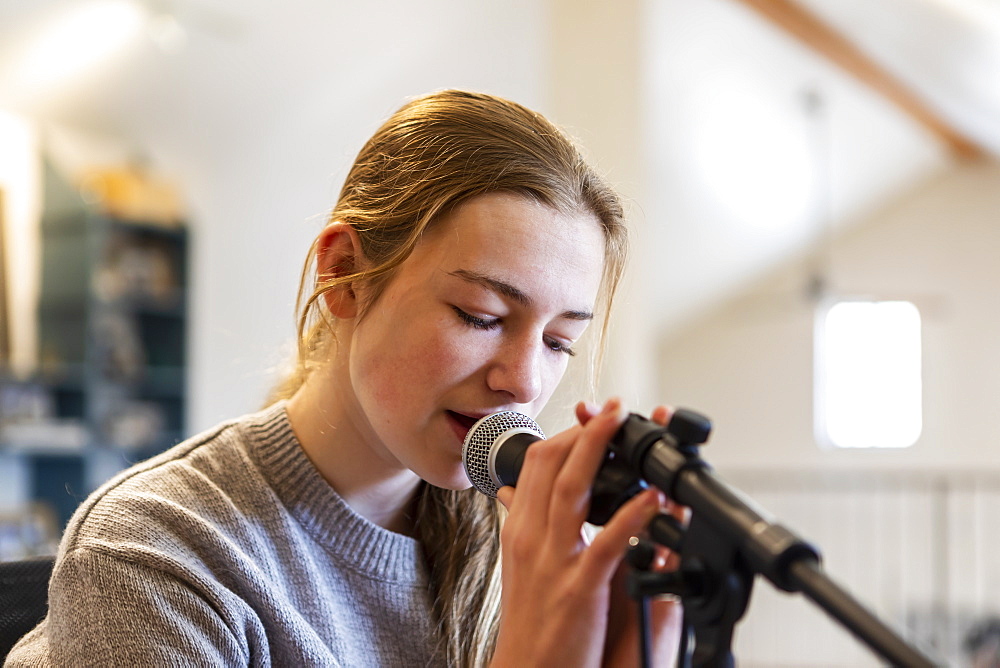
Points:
(104, 610)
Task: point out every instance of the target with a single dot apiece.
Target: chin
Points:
(456, 481)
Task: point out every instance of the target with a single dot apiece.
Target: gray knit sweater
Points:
(230, 549)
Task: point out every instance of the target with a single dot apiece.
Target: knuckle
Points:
(568, 488)
(518, 544)
(543, 453)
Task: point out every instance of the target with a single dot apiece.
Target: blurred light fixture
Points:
(980, 52)
(867, 388)
(167, 33)
(757, 169)
(21, 183)
(981, 13)
(868, 385)
(78, 40)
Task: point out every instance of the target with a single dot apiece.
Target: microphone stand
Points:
(726, 544)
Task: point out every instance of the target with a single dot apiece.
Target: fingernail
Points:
(591, 407)
(504, 496)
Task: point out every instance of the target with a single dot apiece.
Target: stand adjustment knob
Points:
(689, 427)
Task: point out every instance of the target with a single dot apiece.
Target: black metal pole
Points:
(668, 459)
(809, 578)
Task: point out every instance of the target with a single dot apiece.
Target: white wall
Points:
(748, 364)
(909, 532)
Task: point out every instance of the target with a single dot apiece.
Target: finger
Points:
(505, 495)
(542, 463)
(666, 619)
(586, 410)
(610, 545)
(661, 415)
(668, 560)
(665, 560)
(592, 441)
(571, 489)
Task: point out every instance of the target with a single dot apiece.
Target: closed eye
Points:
(474, 321)
(559, 347)
(492, 323)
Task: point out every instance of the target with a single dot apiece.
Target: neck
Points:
(346, 456)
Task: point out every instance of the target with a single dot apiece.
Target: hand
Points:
(557, 589)
(666, 616)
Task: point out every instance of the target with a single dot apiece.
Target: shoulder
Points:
(192, 498)
(105, 610)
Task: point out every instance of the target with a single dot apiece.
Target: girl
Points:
(470, 248)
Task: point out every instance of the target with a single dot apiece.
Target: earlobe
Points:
(338, 254)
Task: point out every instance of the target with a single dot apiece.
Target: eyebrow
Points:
(511, 292)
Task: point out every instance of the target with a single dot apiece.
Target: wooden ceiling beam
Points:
(820, 37)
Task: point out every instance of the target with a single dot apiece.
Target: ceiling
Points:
(946, 51)
(254, 104)
(752, 176)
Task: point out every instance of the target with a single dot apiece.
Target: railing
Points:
(921, 550)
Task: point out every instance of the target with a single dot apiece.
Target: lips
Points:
(461, 423)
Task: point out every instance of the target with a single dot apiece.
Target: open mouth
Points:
(463, 423)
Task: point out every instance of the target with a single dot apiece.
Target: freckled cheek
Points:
(403, 374)
(446, 360)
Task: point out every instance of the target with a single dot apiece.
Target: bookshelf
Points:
(112, 319)
(110, 384)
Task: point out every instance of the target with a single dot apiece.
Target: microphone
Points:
(494, 449)
(493, 453)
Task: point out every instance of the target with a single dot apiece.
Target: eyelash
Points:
(473, 321)
(482, 323)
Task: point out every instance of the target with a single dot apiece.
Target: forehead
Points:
(515, 238)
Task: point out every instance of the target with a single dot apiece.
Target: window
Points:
(867, 374)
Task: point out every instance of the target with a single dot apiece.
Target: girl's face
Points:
(482, 317)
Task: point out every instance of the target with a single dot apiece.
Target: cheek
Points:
(554, 373)
(404, 368)
(442, 360)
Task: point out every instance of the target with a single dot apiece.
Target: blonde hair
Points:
(435, 152)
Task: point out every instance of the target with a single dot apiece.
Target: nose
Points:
(516, 370)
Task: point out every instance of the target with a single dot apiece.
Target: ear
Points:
(338, 253)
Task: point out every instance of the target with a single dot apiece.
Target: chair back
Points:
(24, 598)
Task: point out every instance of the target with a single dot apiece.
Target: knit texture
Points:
(231, 549)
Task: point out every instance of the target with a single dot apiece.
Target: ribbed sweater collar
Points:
(347, 536)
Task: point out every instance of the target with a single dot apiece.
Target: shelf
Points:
(171, 306)
(174, 234)
(63, 437)
(112, 348)
(174, 305)
(162, 381)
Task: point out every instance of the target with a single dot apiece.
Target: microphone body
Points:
(494, 449)
(493, 454)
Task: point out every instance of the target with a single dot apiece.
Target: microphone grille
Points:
(480, 439)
